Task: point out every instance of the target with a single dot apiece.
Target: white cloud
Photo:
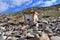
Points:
(29, 2)
(3, 6)
(18, 2)
(46, 3)
(39, 2)
(53, 0)
(49, 3)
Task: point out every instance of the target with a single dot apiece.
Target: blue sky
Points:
(17, 5)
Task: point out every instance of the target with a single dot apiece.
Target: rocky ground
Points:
(44, 29)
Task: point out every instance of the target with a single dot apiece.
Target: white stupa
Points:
(35, 17)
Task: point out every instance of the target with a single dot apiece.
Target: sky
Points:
(17, 5)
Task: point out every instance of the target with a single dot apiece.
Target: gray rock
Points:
(55, 38)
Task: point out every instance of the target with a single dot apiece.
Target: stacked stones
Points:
(50, 27)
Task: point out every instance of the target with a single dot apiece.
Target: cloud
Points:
(49, 3)
(53, 0)
(46, 3)
(14, 3)
(18, 2)
(37, 3)
(29, 2)
(3, 6)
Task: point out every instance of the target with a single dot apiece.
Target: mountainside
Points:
(52, 10)
(43, 8)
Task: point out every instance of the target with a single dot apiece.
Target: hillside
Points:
(49, 11)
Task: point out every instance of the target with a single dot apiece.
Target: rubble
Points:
(44, 29)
